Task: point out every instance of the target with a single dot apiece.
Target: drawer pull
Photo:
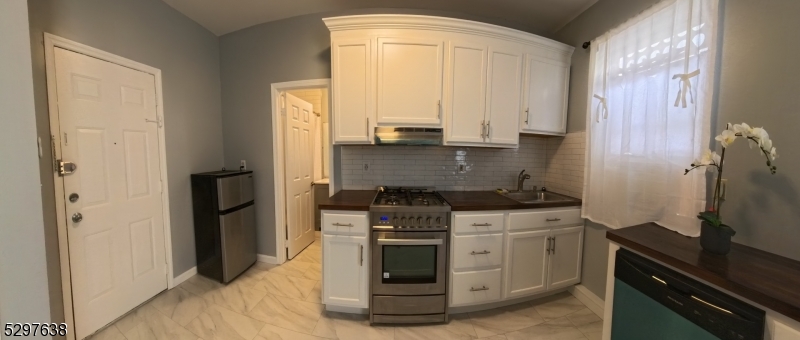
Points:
(343, 224)
(481, 224)
(553, 219)
(480, 252)
(473, 289)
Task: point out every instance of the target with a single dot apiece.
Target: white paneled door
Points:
(299, 168)
(115, 224)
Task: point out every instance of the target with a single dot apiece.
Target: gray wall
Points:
(759, 83)
(251, 60)
(152, 33)
(23, 277)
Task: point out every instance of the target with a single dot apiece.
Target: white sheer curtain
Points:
(650, 89)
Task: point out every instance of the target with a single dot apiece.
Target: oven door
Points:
(409, 263)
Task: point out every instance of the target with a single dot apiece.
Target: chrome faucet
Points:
(521, 179)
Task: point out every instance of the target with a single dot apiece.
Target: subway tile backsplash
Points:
(366, 167)
(565, 164)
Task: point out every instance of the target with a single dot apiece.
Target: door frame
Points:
(51, 42)
(278, 159)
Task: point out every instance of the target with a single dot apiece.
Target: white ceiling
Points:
(535, 16)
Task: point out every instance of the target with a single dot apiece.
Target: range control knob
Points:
(394, 221)
(428, 221)
(419, 220)
(439, 220)
(404, 221)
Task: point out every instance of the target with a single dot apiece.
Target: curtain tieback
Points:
(601, 108)
(684, 87)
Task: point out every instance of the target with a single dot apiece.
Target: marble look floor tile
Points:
(135, 317)
(155, 326)
(557, 329)
(316, 294)
(314, 272)
(556, 306)
(525, 309)
(217, 323)
(270, 332)
(288, 286)
(459, 327)
(109, 333)
(180, 305)
(199, 284)
(495, 337)
(312, 254)
(583, 317)
(291, 268)
(236, 297)
(343, 326)
(499, 321)
(287, 313)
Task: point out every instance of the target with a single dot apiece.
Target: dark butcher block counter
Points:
(490, 200)
(770, 280)
(357, 200)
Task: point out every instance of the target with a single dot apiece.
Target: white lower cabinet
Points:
(526, 263)
(474, 251)
(345, 259)
(476, 287)
(565, 257)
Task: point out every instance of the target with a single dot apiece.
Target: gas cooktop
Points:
(407, 208)
(409, 197)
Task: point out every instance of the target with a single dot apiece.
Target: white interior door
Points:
(116, 251)
(299, 153)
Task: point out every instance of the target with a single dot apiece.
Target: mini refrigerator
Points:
(224, 223)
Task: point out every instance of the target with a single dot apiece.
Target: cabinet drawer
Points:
(475, 251)
(545, 218)
(476, 287)
(478, 223)
(345, 223)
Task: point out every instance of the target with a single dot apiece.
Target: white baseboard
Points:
(349, 310)
(591, 300)
(267, 259)
(183, 277)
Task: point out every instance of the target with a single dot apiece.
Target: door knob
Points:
(73, 197)
(77, 217)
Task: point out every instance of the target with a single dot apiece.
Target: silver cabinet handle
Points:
(481, 224)
(343, 224)
(548, 244)
(367, 127)
(480, 252)
(473, 289)
(77, 217)
(439, 109)
(411, 242)
(527, 115)
(554, 244)
(553, 219)
(483, 128)
(361, 258)
(489, 129)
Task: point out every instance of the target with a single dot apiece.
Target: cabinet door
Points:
(466, 88)
(503, 96)
(345, 276)
(565, 257)
(353, 94)
(546, 89)
(526, 263)
(410, 76)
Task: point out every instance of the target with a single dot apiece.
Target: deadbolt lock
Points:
(66, 168)
(73, 197)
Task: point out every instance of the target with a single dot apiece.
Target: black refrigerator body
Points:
(224, 223)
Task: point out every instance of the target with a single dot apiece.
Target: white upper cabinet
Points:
(465, 105)
(410, 75)
(353, 94)
(546, 91)
(473, 80)
(503, 96)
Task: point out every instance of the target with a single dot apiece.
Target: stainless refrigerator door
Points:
(234, 190)
(238, 233)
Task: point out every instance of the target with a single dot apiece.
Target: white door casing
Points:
(545, 95)
(503, 96)
(109, 128)
(410, 72)
(299, 169)
(466, 85)
(564, 268)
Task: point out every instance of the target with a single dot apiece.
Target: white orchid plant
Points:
(713, 161)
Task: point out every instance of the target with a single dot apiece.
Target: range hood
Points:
(408, 136)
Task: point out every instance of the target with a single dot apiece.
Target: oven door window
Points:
(409, 264)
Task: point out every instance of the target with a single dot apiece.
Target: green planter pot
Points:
(715, 240)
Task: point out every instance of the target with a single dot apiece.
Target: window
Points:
(651, 86)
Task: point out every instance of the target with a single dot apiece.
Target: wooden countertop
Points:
(770, 280)
(490, 200)
(358, 200)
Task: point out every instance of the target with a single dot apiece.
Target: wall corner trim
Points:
(267, 259)
(185, 276)
(592, 301)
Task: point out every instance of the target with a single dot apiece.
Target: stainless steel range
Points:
(409, 256)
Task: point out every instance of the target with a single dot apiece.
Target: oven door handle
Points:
(411, 242)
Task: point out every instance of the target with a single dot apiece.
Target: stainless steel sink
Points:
(535, 196)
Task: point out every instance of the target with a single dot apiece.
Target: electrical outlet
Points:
(243, 165)
(365, 168)
(462, 168)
